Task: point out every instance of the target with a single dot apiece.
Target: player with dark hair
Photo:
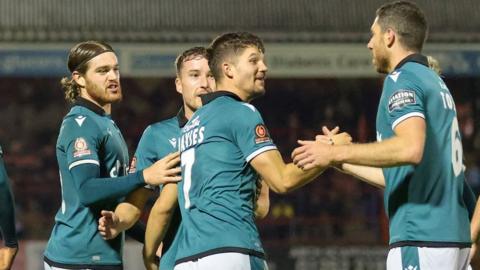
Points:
(418, 155)
(225, 147)
(164, 223)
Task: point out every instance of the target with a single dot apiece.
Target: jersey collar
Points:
(207, 98)
(182, 120)
(416, 57)
(79, 101)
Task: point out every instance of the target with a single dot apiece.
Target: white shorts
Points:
(222, 261)
(427, 258)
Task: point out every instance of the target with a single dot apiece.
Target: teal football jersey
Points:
(87, 136)
(217, 190)
(425, 202)
(159, 140)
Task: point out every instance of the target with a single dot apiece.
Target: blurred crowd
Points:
(335, 208)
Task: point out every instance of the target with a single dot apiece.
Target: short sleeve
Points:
(405, 98)
(250, 132)
(81, 138)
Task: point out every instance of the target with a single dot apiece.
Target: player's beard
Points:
(382, 65)
(101, 94)
(381, 61)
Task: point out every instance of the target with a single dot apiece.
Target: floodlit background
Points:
(320, 73)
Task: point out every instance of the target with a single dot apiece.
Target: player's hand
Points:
(164, 171)
(7, 255)
(312, 154)
(108, 225)
(151, 261)
(333, 138)
(327, 135)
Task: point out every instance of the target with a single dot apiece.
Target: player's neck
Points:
(106, 107)
(188, 112)
(230, 87)
(397, 57)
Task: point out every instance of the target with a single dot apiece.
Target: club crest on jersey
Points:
(400, 99)
(261, 134)
(133, 165)
(81, 148)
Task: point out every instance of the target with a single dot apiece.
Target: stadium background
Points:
(319, 74)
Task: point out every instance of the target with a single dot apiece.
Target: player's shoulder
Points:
(404, 78)
(162, 127)
(234, 107)
(170, 123)
(80, 122)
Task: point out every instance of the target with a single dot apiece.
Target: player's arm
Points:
(475, 229)
(370, 175)
(158, 223)
(406, 147)
(262, 203)
(7, 221)
(281, 177)
(126, 214)
(91, 188)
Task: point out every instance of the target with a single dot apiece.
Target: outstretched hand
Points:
(108, 225)
(312, 154)
(333, 138)
(319, 153)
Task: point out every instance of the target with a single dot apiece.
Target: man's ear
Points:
(178, 86)
(78, 78)
(389, 37)
(227, 69)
